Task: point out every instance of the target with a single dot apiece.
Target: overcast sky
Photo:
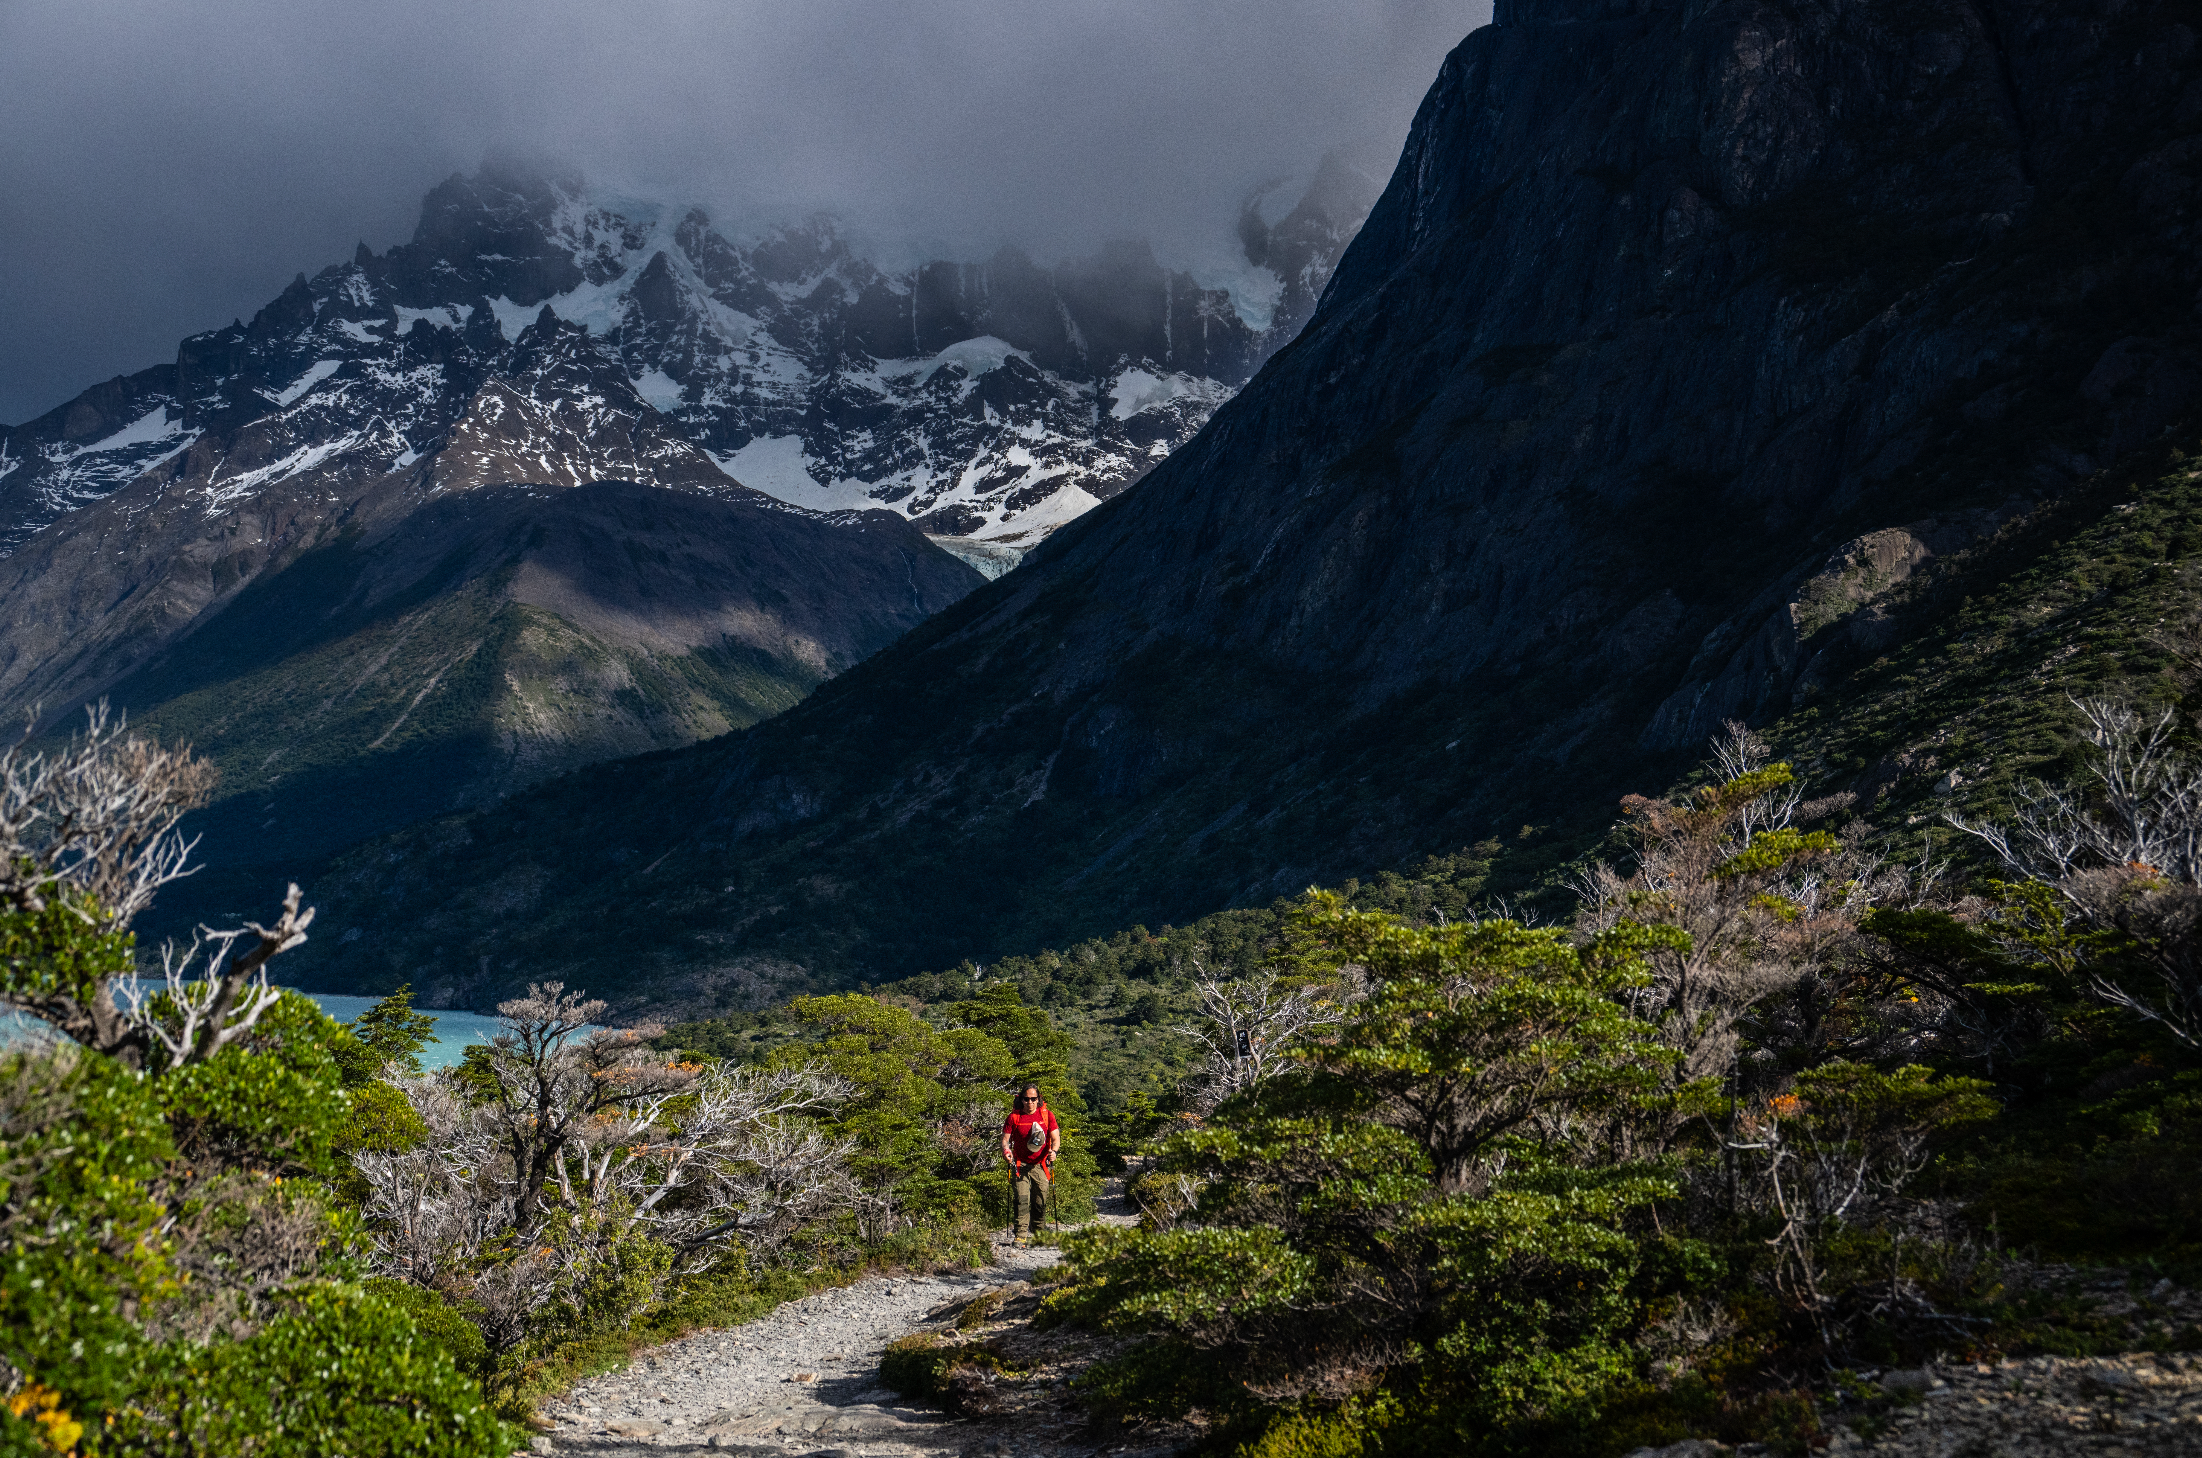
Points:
(169, 166)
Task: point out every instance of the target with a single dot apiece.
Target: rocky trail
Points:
(805, 1380)
(2144, 1404)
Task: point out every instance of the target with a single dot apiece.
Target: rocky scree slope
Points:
(987, 401)
(1681, 332)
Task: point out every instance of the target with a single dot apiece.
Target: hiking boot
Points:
(1022, 1241)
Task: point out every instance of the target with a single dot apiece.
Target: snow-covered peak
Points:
(991, 401)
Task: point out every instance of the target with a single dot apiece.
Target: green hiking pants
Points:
(1028, 1192)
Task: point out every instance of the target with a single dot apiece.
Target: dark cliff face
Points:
(1679, 328)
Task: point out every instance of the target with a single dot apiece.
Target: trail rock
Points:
(2141, 1403)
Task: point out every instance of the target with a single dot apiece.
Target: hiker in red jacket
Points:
(1030, 1139)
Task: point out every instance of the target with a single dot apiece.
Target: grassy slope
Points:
(2076, 599)
(328, 728)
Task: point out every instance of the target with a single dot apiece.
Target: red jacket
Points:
(1017, 1127)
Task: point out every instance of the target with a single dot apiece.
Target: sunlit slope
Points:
(491, 641)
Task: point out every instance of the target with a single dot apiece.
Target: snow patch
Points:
(775, 465)
(1136, 390)
(989, 559)
(511, 317)
(1255, 288)
(660, 389)
(364, 333)
(600, 307)
(320, 370)
(443, 316)
(977, 356)
(165, 456)
(220, 494)
(153, 425)
(1067, 504)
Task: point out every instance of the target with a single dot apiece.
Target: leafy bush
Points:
(925, 1368)
(916, 1365)
(437, 1320)
(174, 1273)
(273, 1100)
(338, 1371)
(82, 1147)
(1419, 1185)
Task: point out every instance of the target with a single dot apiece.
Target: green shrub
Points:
(274, 1100)
(1162, 1378)
(980, 1309)
(1350, 1430)
(81, 1143)
(339, 1371)
(381, 1120)
(916, 1365)
(1393, 1184)
(438, 1321)
(923, 1367)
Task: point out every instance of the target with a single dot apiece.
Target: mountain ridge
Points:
(972, 395)
(531, 337)
(1679, 329)
(223, 599)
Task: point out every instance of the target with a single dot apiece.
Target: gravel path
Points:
(2139, 1405)
(803, 1380)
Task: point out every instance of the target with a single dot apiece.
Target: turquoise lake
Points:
(446, 1046)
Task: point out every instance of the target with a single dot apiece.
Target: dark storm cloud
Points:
(169, 165)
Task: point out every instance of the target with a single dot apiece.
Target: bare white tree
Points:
(432, 1216)
(1247, 1026)
(1758, 931)
(726, 1154)
(585, 1137)
(98, 817)
(769, 1175)
(90, 831)
(194, 1017)
(1738, 750)
(2146, 810)
(2124, 853)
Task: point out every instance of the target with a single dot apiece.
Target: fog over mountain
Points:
(170, 166)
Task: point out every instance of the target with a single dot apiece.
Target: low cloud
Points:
(171, 165)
